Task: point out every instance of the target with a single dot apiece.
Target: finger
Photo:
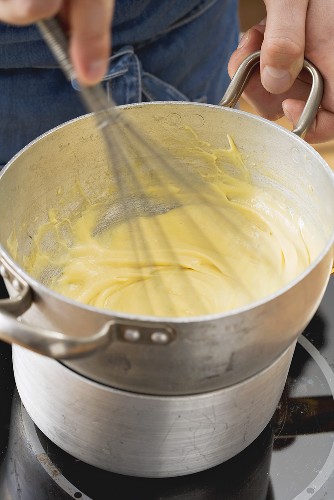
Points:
(90, 24)
(23, 12)
(282, 51)
(320, 45)
(267, 104)
(321, 129)
(250, 42)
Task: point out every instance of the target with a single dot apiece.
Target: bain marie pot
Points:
(148, 354)
(144, 435)
(128, 382)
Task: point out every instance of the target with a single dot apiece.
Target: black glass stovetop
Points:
(293, 458)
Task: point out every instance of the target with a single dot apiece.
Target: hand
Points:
(293, 29)
(87, 21)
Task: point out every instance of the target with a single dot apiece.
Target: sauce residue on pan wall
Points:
(193, 259)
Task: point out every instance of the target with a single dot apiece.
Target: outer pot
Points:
(159, 355)
(141, 435)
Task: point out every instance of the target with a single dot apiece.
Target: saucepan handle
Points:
(243, 74)
(50, 343)
(47, 342)
(59, 345)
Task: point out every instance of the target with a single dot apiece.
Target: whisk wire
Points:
(177, 185)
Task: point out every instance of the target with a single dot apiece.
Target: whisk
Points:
(176, 186)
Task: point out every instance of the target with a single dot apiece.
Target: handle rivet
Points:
(160, 338)
(131, 335)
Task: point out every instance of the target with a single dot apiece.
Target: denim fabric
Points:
(126, 82)
(166, 50)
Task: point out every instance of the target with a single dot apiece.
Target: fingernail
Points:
(286, 112)
(96, 70)
(243, 40)
(275, 80)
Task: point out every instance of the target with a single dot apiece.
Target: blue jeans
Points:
(166, 50)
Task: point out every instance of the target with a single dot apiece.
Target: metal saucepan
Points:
(140, 434)
(148, 355)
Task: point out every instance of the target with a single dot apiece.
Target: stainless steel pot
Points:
(149, 355)
(142, 435)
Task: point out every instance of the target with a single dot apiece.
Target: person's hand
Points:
(293, 29)
(88, 23)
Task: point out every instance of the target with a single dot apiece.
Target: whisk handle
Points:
(94, 97)
(57, 42)
(243, 74)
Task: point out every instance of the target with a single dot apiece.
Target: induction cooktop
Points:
(292, 459)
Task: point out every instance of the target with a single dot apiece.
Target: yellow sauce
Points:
(194, 259)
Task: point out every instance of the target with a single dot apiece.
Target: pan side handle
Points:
(43, 341)
(62, 346)
(243, 74)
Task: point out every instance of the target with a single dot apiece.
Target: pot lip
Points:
(179, 320)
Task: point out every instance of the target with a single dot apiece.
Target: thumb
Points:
(90, 27)
(282, 52)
